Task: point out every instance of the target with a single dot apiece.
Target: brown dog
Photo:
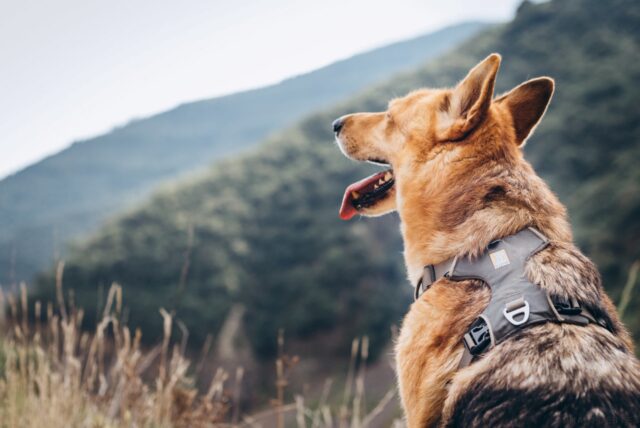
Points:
(459, 181)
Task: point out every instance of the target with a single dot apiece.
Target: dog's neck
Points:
(492, 207)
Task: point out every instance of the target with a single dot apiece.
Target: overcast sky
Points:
(71, 69)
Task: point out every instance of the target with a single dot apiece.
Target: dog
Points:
(457, 177)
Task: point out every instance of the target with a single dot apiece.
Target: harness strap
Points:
(431, 274)
(515, 302)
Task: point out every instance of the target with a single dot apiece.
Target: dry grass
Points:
(628, 288)
(54, 374)
(348, 412)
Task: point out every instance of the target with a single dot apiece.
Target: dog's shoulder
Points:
(552, 375)
(517, 407)
(543, 408)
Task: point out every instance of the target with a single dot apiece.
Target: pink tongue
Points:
(347, 210)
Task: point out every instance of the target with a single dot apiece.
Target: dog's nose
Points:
(337, 125)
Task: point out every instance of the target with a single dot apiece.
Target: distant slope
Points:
(265, 226)
(72, 192)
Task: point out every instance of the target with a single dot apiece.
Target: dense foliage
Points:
(265, 227)
(74, 191)
(262, 230)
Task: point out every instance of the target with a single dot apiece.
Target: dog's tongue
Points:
(347, 210)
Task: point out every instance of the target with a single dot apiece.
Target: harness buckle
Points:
(567, 306)
(516, 308)
(478, 337)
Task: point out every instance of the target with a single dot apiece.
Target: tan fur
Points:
(462, 182)
(428, 347)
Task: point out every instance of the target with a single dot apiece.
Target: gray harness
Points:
(516, 303)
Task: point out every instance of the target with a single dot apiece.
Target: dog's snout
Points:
(337, 125)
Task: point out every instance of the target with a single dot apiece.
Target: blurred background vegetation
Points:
(257, 234)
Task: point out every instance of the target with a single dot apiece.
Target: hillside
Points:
(263, 229)
(74, 191)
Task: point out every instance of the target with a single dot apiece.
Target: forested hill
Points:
(72, 192)
(263, 229)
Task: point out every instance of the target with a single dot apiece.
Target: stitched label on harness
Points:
(499, 259)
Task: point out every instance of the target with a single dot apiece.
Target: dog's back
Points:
(555, 375)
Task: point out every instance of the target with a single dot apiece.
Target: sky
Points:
(72, 69)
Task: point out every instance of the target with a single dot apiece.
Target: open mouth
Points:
(366, 192)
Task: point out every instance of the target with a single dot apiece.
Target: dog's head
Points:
(436, 142)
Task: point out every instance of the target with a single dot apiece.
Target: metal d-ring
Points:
(515, 308)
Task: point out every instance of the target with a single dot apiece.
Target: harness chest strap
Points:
(515, 302)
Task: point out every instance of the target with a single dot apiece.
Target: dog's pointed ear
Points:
(527, 104)
(469, 101)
